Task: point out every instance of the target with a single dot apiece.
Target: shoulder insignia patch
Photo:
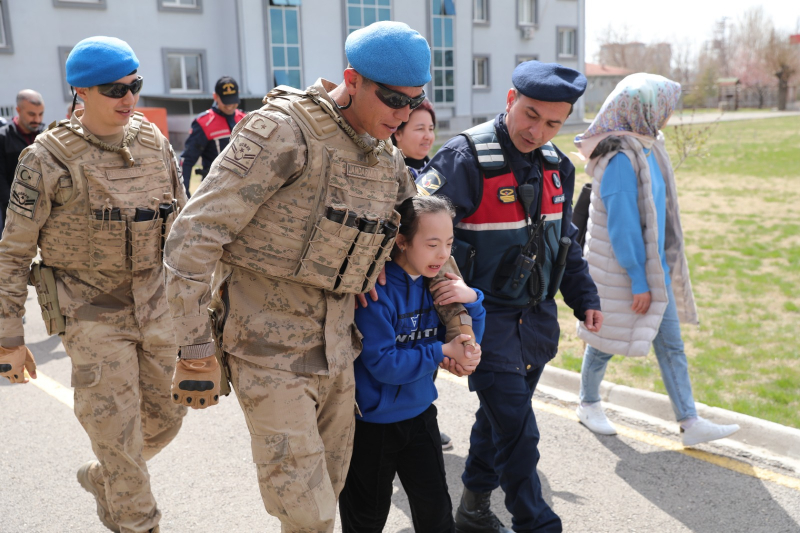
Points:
(261, 126)
(24, 199)
(240, 155)
(28, 176)
(430, 182)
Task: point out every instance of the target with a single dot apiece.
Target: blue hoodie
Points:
(402, 348)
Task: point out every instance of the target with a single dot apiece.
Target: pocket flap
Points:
(84, 376)
(269, 449)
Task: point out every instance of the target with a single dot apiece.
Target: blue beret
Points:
(98, 60)
(390, 53)
(549, 82)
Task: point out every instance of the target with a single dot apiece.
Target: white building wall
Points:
(38, 28)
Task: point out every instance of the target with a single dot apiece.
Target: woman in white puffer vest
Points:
(635, 250)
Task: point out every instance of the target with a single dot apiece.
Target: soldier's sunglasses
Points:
(119, 90)
(397, 100)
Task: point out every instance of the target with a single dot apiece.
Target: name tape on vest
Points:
(136, 172)
(357, 171)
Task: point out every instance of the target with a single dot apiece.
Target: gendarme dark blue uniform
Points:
(512, 211)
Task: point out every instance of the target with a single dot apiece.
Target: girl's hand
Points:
(452, 290)
(468, 356)
(454, 368)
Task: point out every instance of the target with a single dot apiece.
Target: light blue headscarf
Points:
(640, 105)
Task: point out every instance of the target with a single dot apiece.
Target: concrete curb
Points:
(775, 438)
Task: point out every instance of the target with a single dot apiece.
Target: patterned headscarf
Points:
(639, 105)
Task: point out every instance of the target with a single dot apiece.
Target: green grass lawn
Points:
(741, 220)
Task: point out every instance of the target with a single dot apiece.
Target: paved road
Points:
(205, 481)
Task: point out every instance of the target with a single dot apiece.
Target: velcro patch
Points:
(430, 182)
(240, 155)
(28, 176)
(507, 195)
(261, 126)
(23, 199)
(559, 199)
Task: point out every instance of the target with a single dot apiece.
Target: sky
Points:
(676, 21)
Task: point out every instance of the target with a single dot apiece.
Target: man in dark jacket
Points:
(211, 130)
(512, 191)
(14, 138)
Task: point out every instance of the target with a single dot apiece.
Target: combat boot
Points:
(474, 516)
(91, 479)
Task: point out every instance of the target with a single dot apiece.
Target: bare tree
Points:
(784, 60)
(748, 43)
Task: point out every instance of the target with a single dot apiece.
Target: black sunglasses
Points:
(119, 90)
(397, 100)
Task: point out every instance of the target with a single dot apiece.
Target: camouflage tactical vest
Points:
(94, 227)
(291, 237)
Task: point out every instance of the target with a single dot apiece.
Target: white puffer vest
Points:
(625, 332)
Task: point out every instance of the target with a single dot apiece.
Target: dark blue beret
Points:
(390, 53)
(99, 60)
(549, 82)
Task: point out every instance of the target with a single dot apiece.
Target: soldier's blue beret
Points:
(390, 53)
(548, 82)
(98, 60)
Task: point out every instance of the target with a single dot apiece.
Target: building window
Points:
(284, 43)
(63, 54)
(185, 71)
(5, 29)
(86, 4)
(182, 6)
(480, 72)
(567, 44)
(480, 11)
(443, 51)
(362, 13)
(527, 12)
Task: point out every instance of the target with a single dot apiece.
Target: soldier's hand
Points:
(15, 361)
(196, 382)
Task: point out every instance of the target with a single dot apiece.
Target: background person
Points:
(415, 137)
(211, 130)
(14, 138)
(404, 343)
(635, 251)
(501, 190)
(104, 249)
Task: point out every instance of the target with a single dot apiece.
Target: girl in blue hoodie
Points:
(396, 430)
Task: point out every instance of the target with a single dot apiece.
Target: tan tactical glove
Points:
(196, 382)
(15, 361)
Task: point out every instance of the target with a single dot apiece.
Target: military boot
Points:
(91, 479)
(474, 516)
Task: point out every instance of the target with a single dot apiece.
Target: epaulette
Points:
(549, 153)
(486, 146)
(63, 142)
(149, 134)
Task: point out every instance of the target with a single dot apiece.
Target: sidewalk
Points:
(775, 439)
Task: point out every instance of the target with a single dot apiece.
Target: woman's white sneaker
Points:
(704, 431)
(593, 417)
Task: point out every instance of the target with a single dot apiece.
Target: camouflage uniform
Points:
(258, 224)
(109, 278)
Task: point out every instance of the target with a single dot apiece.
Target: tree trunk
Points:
(783, 90)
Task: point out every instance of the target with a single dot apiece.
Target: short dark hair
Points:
(425, 105)
(412, 208)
